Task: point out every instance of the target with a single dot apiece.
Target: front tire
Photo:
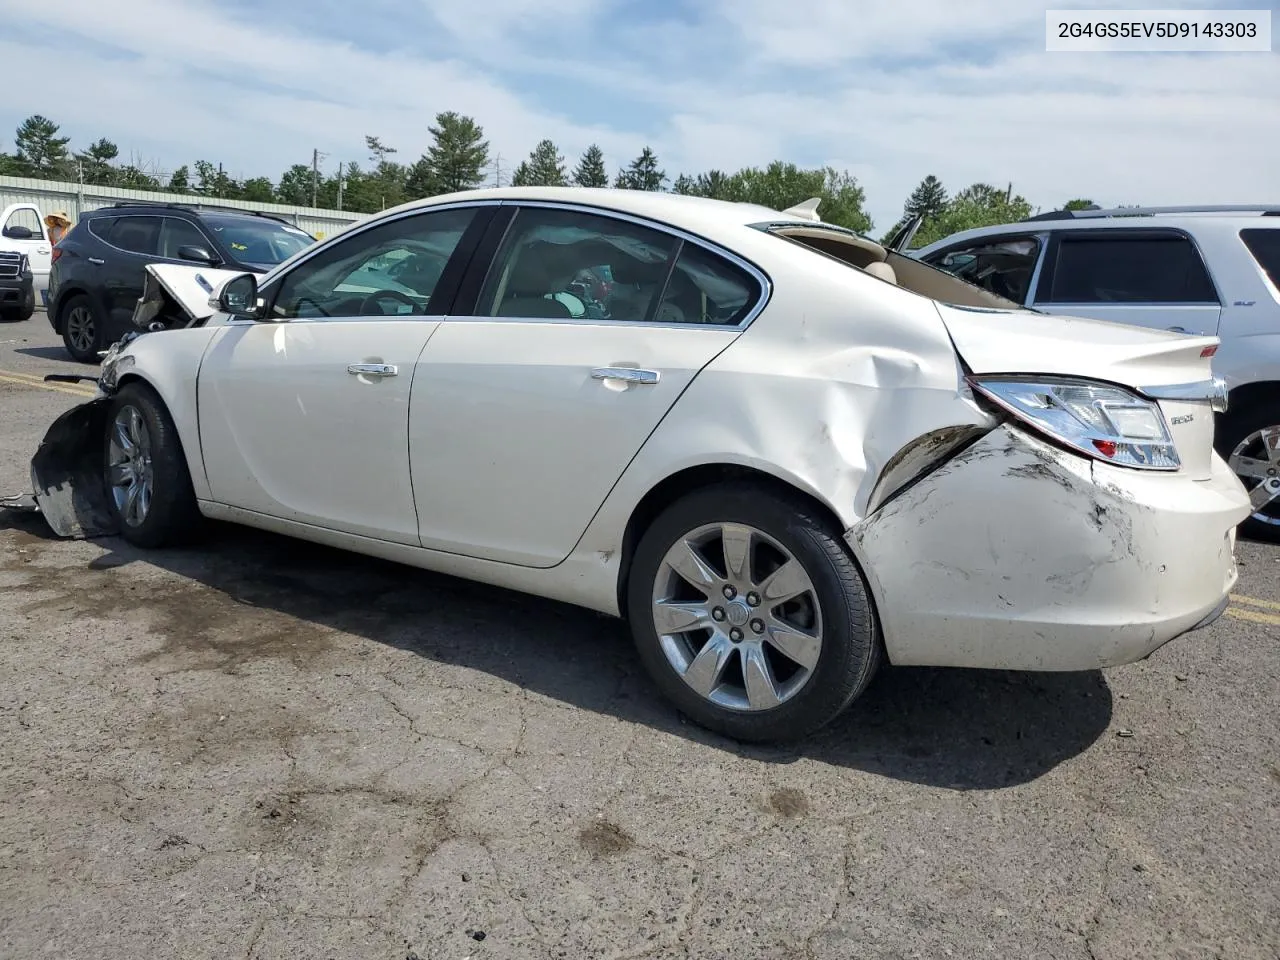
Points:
(148, 485)
(81, 329)
(750, 615)
(1249, 440)
(22, 313)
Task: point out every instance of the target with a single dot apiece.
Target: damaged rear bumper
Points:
(1017, 555)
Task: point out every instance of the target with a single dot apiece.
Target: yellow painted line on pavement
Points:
(1254, 602)
(27, 380)
(1253, 616)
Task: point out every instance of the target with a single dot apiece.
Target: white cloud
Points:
(861, 86)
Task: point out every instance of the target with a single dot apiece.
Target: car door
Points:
(132, 241)
(1150, 277)
(304, 414)
(37, 247)
(1004, 265)
(586, 329)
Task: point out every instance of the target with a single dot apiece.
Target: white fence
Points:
(76, 198)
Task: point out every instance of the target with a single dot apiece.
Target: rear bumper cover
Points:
(1017, 555)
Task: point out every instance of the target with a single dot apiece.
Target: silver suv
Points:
(1199, 270)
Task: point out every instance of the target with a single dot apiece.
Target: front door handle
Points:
(99, 261)
(629, 374)
(372, 369)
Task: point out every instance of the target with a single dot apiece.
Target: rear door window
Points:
(1265, 247)
(1001, 265)
(1111, 266)
(100, 227)
(136, 234)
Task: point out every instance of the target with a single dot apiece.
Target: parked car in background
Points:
(98, 269)
(1206, 271)
(25, 256)
(781, 452)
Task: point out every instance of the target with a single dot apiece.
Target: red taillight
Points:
(1106, 447)
(53, 257)
(1209, 351)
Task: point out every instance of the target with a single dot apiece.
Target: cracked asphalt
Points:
(263, 749)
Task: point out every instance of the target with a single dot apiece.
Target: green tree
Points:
(259, 190)
(642, 174)
(978, 205)
(685, 185)
(95, 163)
(294, 187)
(420, 181)
(135, 179)
(591, 171)
(382, 187)
(1078, 205)
(40, 151)
(180, 180)
(715, 184)
(781, 185)
(212, 181)
(457, 157)
(544, 168)
(927, 200)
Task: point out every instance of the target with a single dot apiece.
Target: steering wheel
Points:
(366, 308)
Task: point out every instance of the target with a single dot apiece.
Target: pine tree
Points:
(457, 158)
(96, 162)
(927, 200)
(591, 171)
(180, 181)
(39, 148)
(544, 168)
(643, 174)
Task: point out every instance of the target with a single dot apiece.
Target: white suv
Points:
(1199, 270)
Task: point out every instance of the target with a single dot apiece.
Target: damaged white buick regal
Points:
(781, 452)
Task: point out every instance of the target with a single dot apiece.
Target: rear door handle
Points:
(372, 369)
(629, 374)
(97, 260)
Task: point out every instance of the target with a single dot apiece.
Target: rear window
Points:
(1265, 247)
(100, 227)
(1109, 267)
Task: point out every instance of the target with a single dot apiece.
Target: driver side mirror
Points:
(197, 255)
(18, 233)
(239, 296)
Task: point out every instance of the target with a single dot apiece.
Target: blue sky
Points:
(889, 91)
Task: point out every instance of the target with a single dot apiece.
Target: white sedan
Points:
(782, 453)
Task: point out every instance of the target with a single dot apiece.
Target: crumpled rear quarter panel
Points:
(1017, 555)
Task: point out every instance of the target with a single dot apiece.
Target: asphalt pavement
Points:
(263, 749)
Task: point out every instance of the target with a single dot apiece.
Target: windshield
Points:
(258, 239)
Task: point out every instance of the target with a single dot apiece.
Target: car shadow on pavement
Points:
(957, 729)
(46, 353)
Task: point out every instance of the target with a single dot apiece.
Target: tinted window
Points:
(1003, 266)
(1097, 268)
(390, 270)
(1265, 247)
(100, 227)
(257, 239)
(136, 234)
(706, 288)
(176, 234)
(564, 264)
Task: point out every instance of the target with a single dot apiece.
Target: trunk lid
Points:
(1142, 358)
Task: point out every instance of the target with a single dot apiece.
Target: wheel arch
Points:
(59, 305)
(696, 477)
(1248, 395)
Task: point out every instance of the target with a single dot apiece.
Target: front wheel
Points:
(750, 614)
(148, 485)
(23, 312)
(1250, 443)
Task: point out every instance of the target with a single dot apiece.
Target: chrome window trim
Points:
(764, 291)
(134, 253)
(1213, 390)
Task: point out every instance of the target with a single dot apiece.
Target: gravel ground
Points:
(265, 749)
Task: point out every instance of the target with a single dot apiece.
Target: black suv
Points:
(98, 274)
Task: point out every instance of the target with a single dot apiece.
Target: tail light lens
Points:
(53, 257)
(1101, 421)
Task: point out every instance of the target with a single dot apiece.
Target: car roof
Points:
(695, 214)
(1237, 216)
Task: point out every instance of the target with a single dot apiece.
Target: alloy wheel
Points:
(130, 474)
(80, 329)
(737, 617)
(1256, 461)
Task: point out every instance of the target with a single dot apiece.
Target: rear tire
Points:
(731, 656)
(81, 329)
(148, 486)
(1240, 441)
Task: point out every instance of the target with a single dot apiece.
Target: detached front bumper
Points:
(1016, 555)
